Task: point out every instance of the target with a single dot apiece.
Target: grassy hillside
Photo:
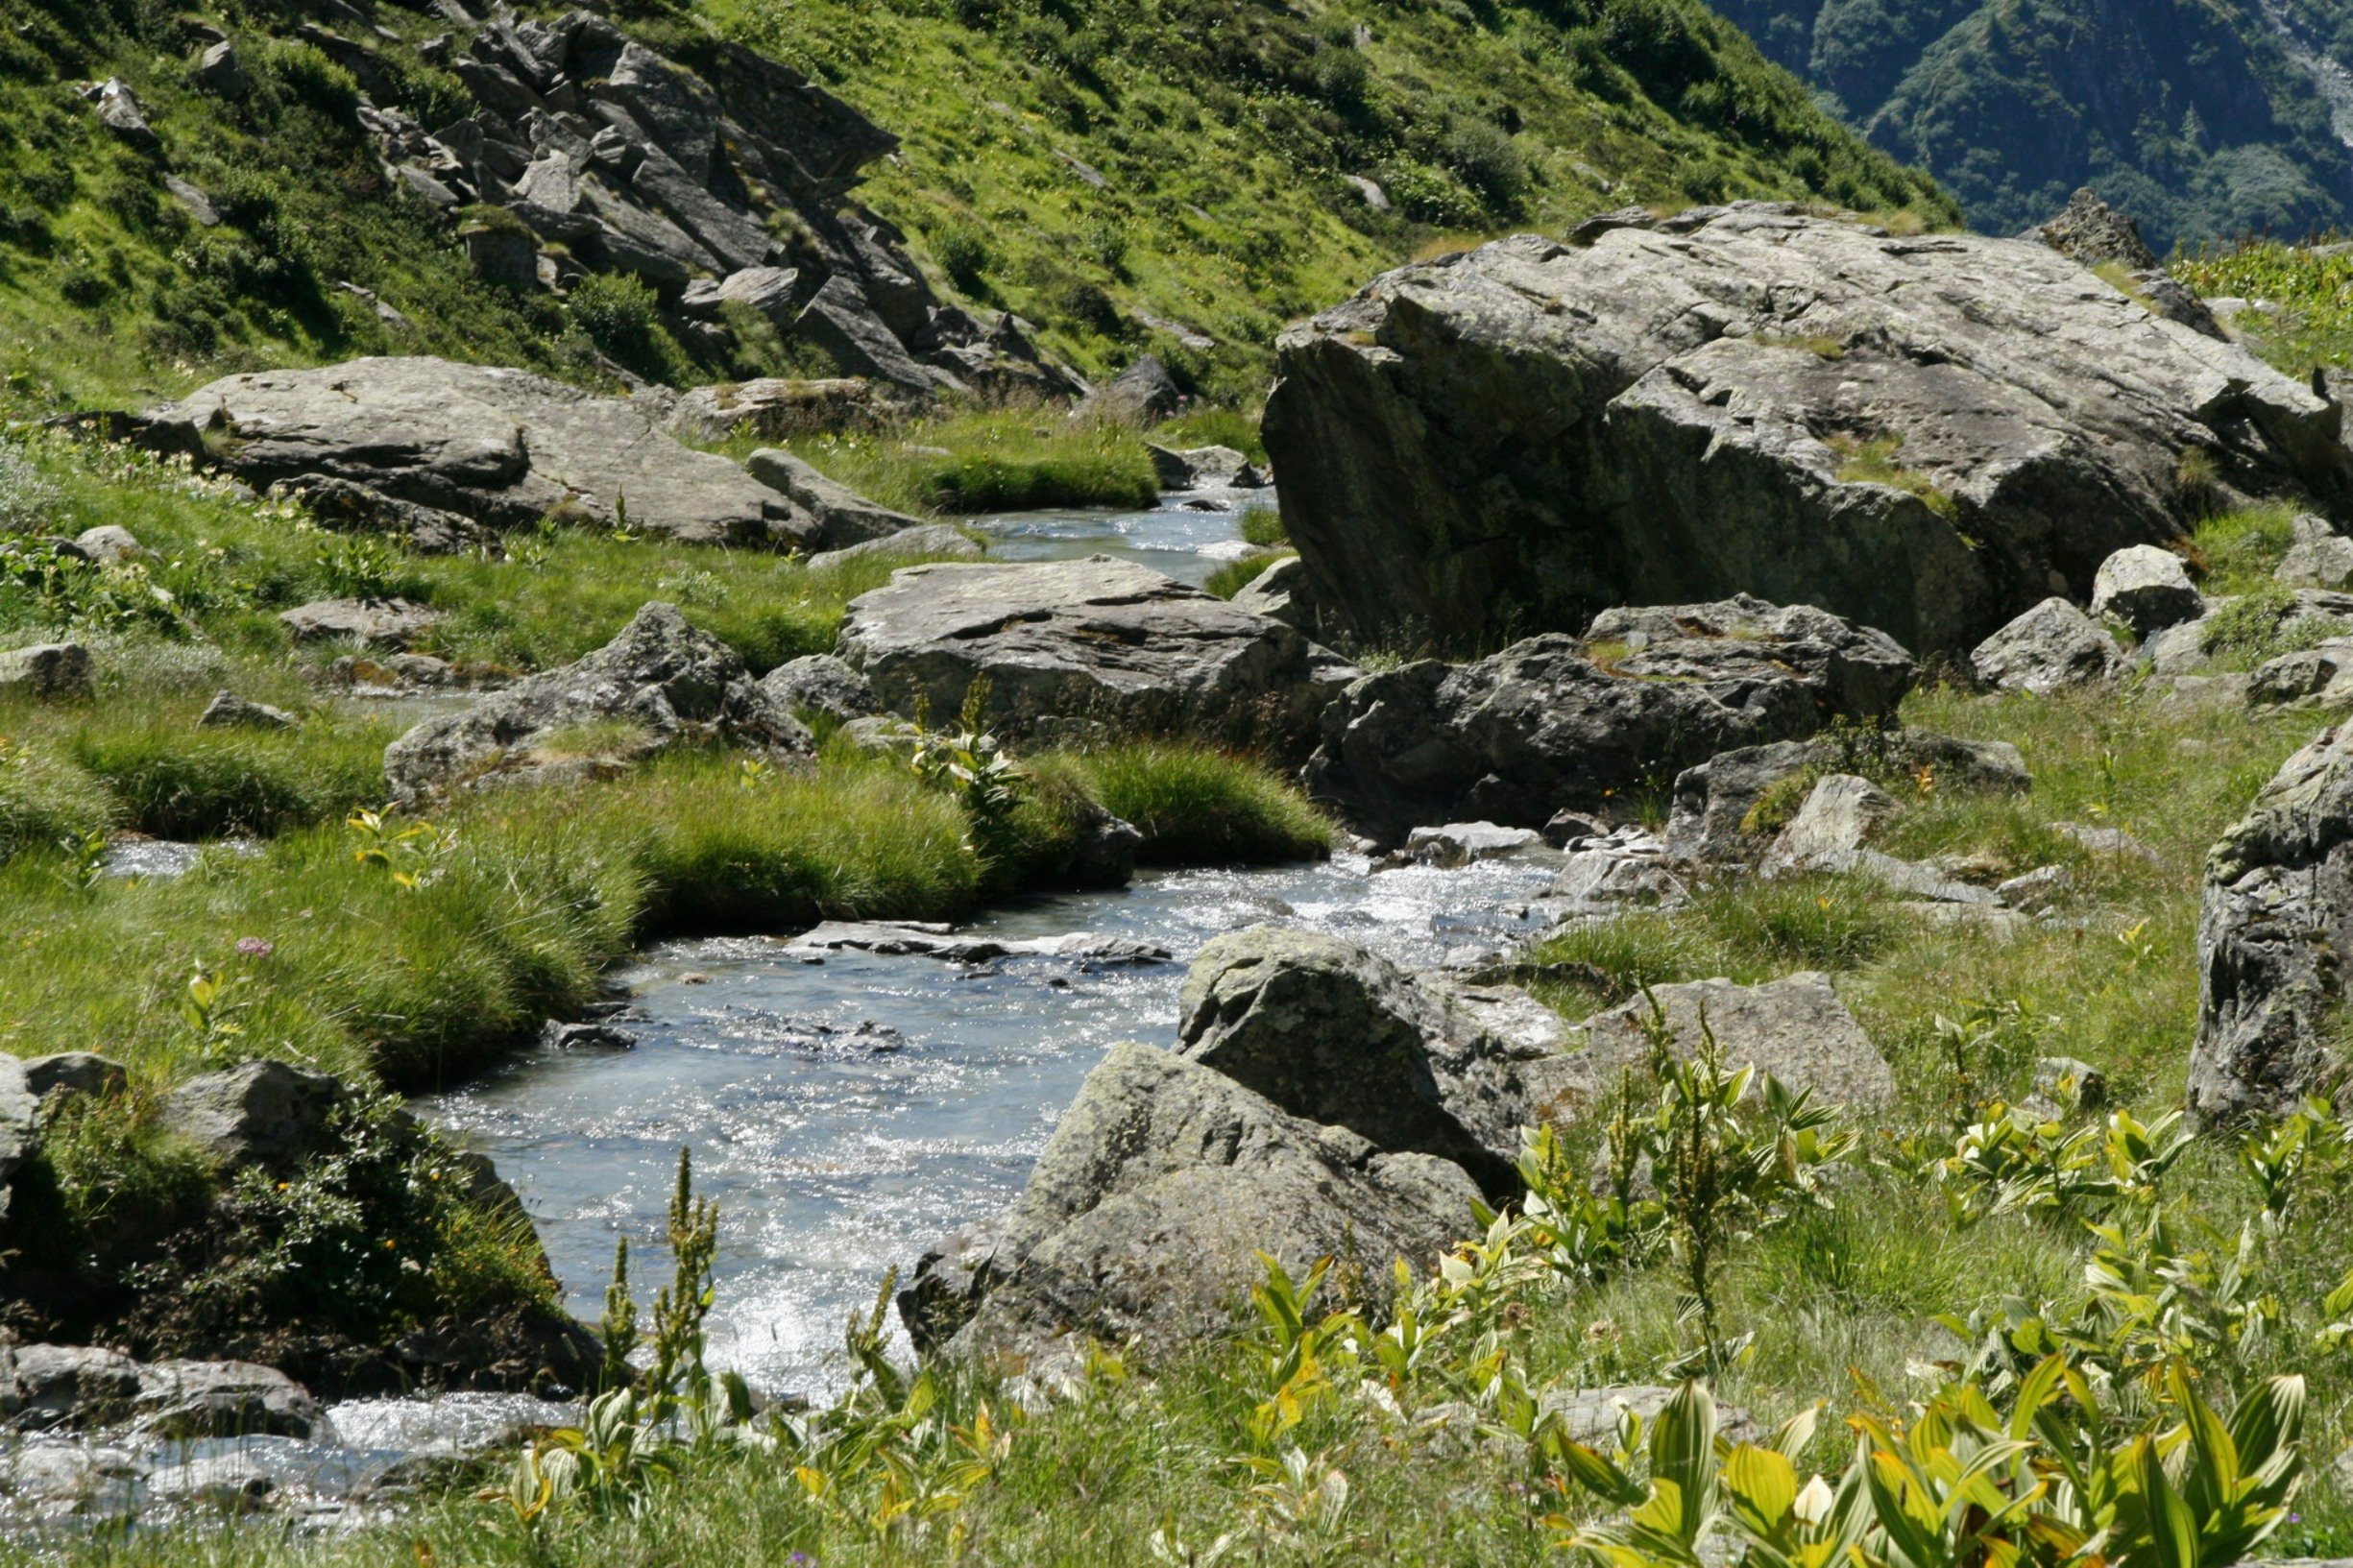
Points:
(1106, 173)
(2203, 120)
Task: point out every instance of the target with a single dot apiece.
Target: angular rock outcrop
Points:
(660, 682)
(1337, 1034)
(2145, 587)
(1095, 641)
(503, 448)
(930, 542)
(2052, 647)
(1558, 722)
(844, 517)
(1278, 594)
(1147, 1212)
(819, 683)
(264, 1111)
(2274, 919)
(1927, 434)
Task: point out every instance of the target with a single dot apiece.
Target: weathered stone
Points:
(375, 623)
(2320, 557)
(1145, 394)
(1676, 410)
(1556, 722)
(1096, 640)
(1841, 812)
(1278, 593)
(768, 290)
(840, 319)
(2052, 647)
(348, 507)
(2320, 677)
(2109, 841)
(1608, 872)
(660, 682)
(1712, 813)
(773, 408)
(2092, 232)
(501, 256)
(1795, 1029)
(929, 542)
(229, 712)
(186, 1399)
(199, 205)
(2035, 890)
(1194, 467)
(109, 543)
(1590, 1416)
(844, 517)
(1459, 843)
(2146, 587)
(2071, 1084)
(1335, 1033)
(74, 1073)
(120, 112)
(819, 683)
(45, 1386)
(1163, 1184)
(2275, 915)
(501, 447)
(49, 670)
(264, 1111)
(220, 71)
(2178, 650)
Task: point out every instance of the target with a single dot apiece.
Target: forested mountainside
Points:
(1194, 172)
(2207, 119)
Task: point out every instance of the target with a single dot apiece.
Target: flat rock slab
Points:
(503, 447)
(375, 623)
(1794, 1028)
(1095, 641)
(926, 940)
(1927, 434)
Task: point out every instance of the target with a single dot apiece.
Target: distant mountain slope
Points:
(1140, 173)
(2205, 119)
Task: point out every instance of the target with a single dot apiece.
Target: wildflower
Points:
(1813, 1501)
(253, 947)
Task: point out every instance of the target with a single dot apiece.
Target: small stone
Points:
(53, 671)
(120, 112)
(927, 541)
(386, 623)
(107, 543)
(556, 1035)
(200, 206)
(2072, 1084)
(819, 683)
(1459, 843)
(264, 1111)
(2036, 890)
(1838, 815)
(2109, 841)
(1567, 826)
(229, 712)
(220, 72)
(2052, 647)
(2320, 558)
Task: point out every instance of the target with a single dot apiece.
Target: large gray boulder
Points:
(1558, 722)
(1927, 434)
(2274, 919)
(1795, 1029)
(1148, 1210)
(1337, 1034)
(503, 447)
(662, 682)
(266, 1111)
(1089, 641)
(2052, 647)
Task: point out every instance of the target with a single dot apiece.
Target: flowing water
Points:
(1187, 535)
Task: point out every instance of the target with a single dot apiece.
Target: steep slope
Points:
(1185, 176)
(2204, 118)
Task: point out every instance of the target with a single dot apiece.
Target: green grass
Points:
(1000, 459)
(1872, 462)
(2310, 323)
(1199, 806)
(2240, 550)
(1234, 576)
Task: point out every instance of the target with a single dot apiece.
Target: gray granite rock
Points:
(2052, 647)
(53, 671)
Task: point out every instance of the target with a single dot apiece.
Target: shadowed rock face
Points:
(2274, 921)
(1924, 434)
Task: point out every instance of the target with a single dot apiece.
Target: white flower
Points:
(1813, 1501)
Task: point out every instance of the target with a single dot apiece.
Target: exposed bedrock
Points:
(1926, 434)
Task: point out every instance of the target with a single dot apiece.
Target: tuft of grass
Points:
(174, 781)
(1196, 805)
(2262, 625)
(1234, 576)
(45, 801)
(1872, 462)
(1263, 525)
(2241, 549)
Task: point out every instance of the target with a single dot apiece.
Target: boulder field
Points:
(1926, 434)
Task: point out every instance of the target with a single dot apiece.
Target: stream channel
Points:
(845, 1108)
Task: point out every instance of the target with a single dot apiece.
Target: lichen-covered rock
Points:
(2146, 587)
(1713, 816)
(1927, 434)
(1144, 393)
(1278, 594)
(1194, 467)
(501, 447)
(1841, 812)
(226, 711)
(2275, 918)
(819, 683)
(2052, 647)
(662, 682)
(1091, 640)
(74, 1073)
(1558, 722)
